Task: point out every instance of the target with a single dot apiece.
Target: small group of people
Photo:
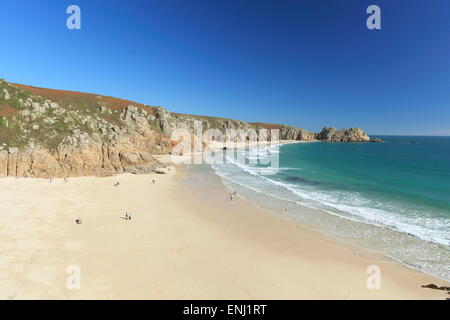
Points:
(233, 195)
(127, 216)
(117, 184)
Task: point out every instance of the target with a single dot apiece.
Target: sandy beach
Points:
(186, 240)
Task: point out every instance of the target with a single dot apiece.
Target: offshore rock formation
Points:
(55, 133)
(329, 134)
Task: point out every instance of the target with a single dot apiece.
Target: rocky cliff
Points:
(78, 135)
(56, 133)
(329, 134)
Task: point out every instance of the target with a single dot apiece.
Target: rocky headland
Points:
(54, 133)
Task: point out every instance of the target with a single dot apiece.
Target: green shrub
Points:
(3, 122)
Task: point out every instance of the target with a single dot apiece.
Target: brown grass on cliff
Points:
(64, 97)
(7, 111)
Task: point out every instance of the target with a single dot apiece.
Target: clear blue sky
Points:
(307, 63)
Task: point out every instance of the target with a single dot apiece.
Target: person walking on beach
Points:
(126, 215)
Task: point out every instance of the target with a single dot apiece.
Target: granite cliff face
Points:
(329, 134)
(40, 137)
(293, 133)
(55, 133)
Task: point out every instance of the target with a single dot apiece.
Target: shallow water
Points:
(392, 198)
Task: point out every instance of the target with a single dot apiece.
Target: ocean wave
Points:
(413, 234)
(352, 206)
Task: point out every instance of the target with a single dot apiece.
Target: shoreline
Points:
(336, 239)
(339, 238)
(352, 249)
(186, 241)
(342, 243)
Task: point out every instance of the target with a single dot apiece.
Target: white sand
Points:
(180, 244)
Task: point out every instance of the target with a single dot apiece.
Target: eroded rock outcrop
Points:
(294, 133)
(84, 157)
(330, 134)
(59, 141)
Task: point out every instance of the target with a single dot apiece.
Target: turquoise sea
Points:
(392, 198)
